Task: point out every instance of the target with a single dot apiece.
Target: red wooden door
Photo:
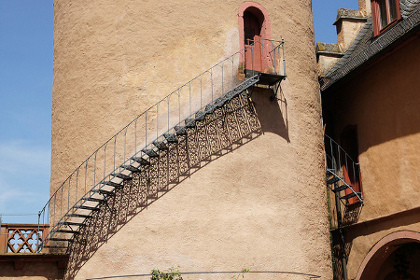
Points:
(253, 42)
(349, 164)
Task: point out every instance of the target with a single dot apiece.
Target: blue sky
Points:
(26, 50)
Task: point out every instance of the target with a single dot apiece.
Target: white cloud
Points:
(24, 178)
(21, 156)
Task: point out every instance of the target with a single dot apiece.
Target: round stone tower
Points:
(257, 200)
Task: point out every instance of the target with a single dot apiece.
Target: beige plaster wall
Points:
(263, 204)
(383, 103)
(363, 243)
(365, 6)
(114, 59)
(325, 63)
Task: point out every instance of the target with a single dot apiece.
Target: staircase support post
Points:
(340, 231)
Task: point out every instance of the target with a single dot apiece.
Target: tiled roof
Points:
(365, 46)
(408, 6)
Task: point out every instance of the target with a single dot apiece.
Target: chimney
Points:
(365, 7)
(348, 24)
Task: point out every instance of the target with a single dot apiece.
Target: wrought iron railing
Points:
(21, 238)
(152, 125)
(344, 182)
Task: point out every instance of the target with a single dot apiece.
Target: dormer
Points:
(348, 24)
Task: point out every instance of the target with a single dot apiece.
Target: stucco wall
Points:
(263, 204)
(383, 103)
(114, 59)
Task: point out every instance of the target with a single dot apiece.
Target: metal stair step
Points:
(220, 102)
(121, 176)
(210, 109)
(71, 223)
(102, 191)
(340, 188)
(60, 239)
(161, 145)
(200, 116)
(334, 179)
(95, 199)
(68, 231)
(180, 130)
(171, 137)
(234, 93)
(80, 215)
(92, 208)
(130, 168)
(113, 184)
(141, 160)
(350, 195)
(150, 152)
(190, 123)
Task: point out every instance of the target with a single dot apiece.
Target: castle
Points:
(212, 154)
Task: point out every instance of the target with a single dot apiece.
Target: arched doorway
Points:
(394, 257)
(254, 33)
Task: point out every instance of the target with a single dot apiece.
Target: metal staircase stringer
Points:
(71, 223)
(332, 183)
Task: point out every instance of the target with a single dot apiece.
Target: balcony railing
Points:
(21, 238)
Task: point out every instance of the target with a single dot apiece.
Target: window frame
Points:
(376, 15)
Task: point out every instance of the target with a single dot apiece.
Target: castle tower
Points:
(243, 186)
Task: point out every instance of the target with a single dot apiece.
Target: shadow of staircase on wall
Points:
(203, 140)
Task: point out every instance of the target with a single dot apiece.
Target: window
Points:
(385, 13)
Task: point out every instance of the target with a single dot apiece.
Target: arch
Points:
(254, 27)
(371, 264)
(261, 13)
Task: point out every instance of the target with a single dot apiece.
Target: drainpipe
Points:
(340, 230)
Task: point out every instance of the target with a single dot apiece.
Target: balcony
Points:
(21, 238)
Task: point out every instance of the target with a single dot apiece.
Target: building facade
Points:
(370, 100)
(217, 174)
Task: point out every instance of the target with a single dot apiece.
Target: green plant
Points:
(242, 273)
(171, 274)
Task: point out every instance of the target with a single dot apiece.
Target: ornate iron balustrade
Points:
(21, 238)
(139, 139)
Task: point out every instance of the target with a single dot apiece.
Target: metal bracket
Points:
(275, 96)
(250, 103)
(252, 90)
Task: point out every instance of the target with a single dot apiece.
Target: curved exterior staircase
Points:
(171, 133)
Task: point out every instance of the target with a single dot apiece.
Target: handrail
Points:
(339, 161)
(153, 123)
